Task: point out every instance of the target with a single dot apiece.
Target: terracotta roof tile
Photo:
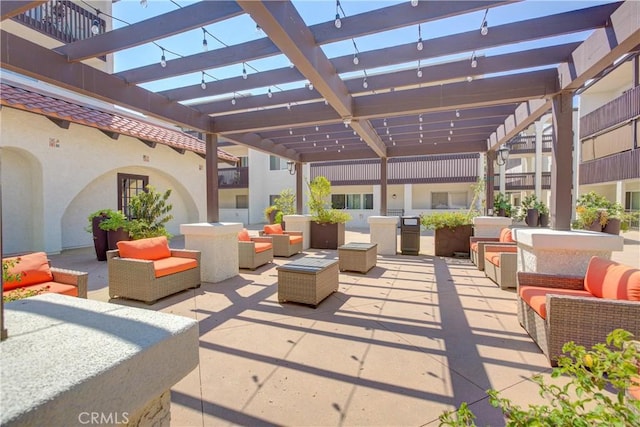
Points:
(49, 106)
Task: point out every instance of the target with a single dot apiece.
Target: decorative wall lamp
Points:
(502, 155)
(291, 167)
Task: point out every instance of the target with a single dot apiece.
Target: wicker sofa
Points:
(253, 251)
(477, 245)
(36, 274)
(555, 309)
(501, 263)
(147, 269)
(285, 243)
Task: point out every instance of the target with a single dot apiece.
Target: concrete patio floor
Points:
(415, 336)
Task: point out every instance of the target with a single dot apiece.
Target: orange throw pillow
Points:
(243, 236)
(273, 229)
(152, 248)
(611, 280)
(32, 268)
(506, 236)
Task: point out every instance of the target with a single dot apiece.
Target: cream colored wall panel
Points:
(613, 142)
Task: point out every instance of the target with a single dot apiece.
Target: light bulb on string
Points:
(457, 113)
(474, 61)
(420, 118)
(203, 85)
(163, 59)
(95, 27)
(244, 72)
(420, 45)
(419, 73)
(384, 122)
(485, 28)
(338, 22)
(414, 3)
(269, 93)
(233, 100)
(364, 83)
(356, 60)
(144, 3)
(205, 45)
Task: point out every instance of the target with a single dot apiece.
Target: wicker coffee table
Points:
(360, 257)
(307, 281)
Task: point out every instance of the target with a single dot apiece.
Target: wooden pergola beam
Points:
(11, 8)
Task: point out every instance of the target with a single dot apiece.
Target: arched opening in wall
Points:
(102, 193)
(22, 202)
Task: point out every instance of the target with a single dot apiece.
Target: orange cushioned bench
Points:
(36, 274)
(555, 309)
(501, 263)
(147, 269)
(285, 243)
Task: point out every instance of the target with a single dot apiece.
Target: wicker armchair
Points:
(501, 263)
(255, 252)
(285, 243)
(136, 278)
(571, 313)
(78, 279)
(477, 245)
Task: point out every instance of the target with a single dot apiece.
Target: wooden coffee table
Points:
(308, 280)
(360, 257)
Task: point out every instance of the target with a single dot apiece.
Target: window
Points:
(439, 200)
(352, 201)
(244, 162)
(367, 202)
(272, 199)
(338, 201)
(445, 200)
(242, 201)
(129, 186)
(277, 163)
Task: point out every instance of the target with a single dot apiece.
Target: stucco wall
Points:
(69, 173)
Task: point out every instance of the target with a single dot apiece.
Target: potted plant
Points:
(100, 238)
(149, 213)
(327, 225)
(595, 212)
(543, 213)
(117, 226)
(502, 205)
(452, 231)
(270, 213)
(530, 210)
(285, 204)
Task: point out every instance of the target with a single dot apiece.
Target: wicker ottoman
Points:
(360, 257)
(307, 281)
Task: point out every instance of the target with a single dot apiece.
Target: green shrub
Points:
(320, 205)
(450, 219)
(149, 211)
(581, 402)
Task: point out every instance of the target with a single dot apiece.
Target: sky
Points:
(242, 28)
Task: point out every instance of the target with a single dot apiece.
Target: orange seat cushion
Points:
(474, 246)
(32, 268)
(54, 287)
(608, 279)
(536, 297)
(493, 258)
(243, 236)
(262, 246)
(170, 265)
(273, 229)
(152, 248)
(506, 236)
(295, 239)
(634, 389)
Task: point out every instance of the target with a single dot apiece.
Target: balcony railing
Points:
(613, 113)
(527, 144)
(405, 170)
(523, 181)
(233, 178)
(62, 20)
(617, 167)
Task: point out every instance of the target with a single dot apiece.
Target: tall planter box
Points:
(100, 242)
(326, 235)
(449, 240)
(114, 236)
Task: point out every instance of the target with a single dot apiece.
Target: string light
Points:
(356, 61)
(484, 27)
(205, 45)
(414, 3)
(384, 122)
(474, 61)
(203, 85)
(448, 138)
(420, 45)
(419, 73)
(364, 83)
(163, 59)
(420, 127)
(304, 138)
(338, 22)
(310, 86)
(244, 72)
(288, 106)
(469, 79)
(457, 113)
(451, 124)
(317, 128)
(95, 24)
(269, 93)
(233, 100)
(420, 118)
(144, 3)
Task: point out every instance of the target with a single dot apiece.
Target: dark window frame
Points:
(124, 189)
